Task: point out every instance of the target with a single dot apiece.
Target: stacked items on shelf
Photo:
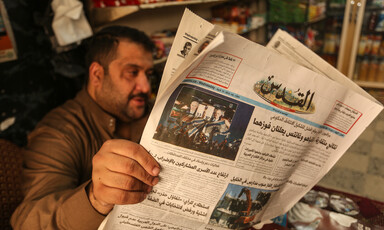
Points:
(316, 10)
(331, 47)
(163, 41)
(370, 53)
(334, 22)
(299, 18)
(238, 17)
(337, 3)
(108, 3)
(287, 11)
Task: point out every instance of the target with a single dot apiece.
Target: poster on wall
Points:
(8, 50)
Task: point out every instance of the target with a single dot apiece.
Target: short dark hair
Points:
(102, 46)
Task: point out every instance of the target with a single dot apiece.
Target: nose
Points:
(143, 84)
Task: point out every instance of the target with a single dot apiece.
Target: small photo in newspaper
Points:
(204, 121)
(239, 206)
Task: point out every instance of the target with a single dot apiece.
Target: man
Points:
(187, 47)
(83, 156)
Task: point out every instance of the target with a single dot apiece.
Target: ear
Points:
(96, 75)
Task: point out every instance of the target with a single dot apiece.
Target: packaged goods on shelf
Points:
(370, 44)
(287, 11)
(378, 3)
(331, 43)
(376, 42)
(381, 49)
(108, 3)
(237, 17)
(337, 3)
(152, 1)
(256, 20)
(163, 41)
(312, 40)
(316, 10)
(380, 22)
(369, 69)
(380, 72)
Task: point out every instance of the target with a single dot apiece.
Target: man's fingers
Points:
(136, 152)
(110, 195)
(122, 181)
(115, 163)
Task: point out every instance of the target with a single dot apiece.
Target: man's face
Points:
(194, 106)
(217, 114)
(126, 88)
(187, 48)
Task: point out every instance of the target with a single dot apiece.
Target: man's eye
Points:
(150, 74)
(131, 73)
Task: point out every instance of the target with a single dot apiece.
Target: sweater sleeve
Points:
(55, 175)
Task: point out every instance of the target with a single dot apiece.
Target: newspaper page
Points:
(191, 38)
(291, 48)
(242, 133)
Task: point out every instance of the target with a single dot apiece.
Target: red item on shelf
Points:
(107, 3)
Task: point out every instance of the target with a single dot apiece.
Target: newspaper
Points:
(242, 131)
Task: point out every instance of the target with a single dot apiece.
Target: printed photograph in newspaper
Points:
(204, 121)
(239, 206)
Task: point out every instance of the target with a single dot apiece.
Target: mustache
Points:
(142, 95)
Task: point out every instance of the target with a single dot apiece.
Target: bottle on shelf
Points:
(380, 72)
(363, 70)
(372, 21)
(372, 71)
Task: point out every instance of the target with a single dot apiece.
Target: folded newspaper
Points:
(242, 131)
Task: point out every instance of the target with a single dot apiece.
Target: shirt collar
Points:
(96, 113)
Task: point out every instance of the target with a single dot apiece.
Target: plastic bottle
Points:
(356, 71)
(372, 21)
(373, 69)
(380, 72)
(368, 45)
(362, 44)
(363, 71)
(376, 41)
(381, 49)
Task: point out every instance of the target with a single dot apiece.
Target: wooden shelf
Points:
(370, 84)
(109, 14)
(160, 61)
(175, 3)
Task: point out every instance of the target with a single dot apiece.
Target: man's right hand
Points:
(123, 173)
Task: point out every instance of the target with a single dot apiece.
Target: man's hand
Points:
(123, 173)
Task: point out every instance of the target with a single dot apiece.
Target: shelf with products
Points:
(369, 62)
(374, 8)
(141, 16)
(106, 11)
(336, 4)
(332, 33)
(304, 20)
(160, 18)
(369, 71)
(296, 11)
(246, 18)
(168, 14)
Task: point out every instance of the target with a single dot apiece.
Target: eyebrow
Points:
(136, 66)
(152, 68)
